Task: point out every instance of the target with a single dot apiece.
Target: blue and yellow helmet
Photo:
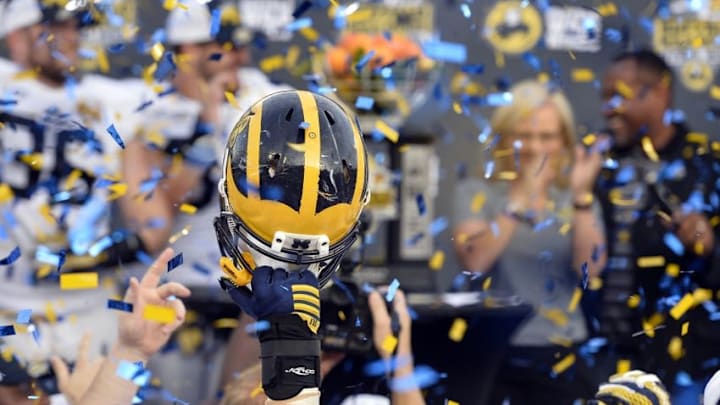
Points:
(294, 182)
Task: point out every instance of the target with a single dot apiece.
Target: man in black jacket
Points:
(660, 203)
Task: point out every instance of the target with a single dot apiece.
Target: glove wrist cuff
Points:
(290, 354)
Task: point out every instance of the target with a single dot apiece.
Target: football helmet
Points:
(294, 182)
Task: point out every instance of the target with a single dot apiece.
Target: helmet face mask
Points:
(294, 183)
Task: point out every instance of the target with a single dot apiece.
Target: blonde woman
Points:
(529, 223)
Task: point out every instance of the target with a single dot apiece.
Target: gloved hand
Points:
(290, 347)
(279, 292)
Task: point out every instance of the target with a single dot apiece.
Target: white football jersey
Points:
(55, 151)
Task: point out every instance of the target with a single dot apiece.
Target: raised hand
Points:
(136, 332)
(75, 384)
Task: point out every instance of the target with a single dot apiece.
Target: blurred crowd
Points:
(610, 236)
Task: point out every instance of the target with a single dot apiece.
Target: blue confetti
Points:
(299, 24)
(498, 99)
(7, 330)
(155, 223)
(11, 258)
(392, 290)
(465, 10)
(115, 135)
(532, 60)
(420, 200)
(683, 379)
(215, 56)
(364, 60)
(165, 67)
(595, 256)
(625, 175)
(445, 51)
(380, 367)
(674, 243)
(364, 103)
(489, 169)
(214, 23)
(542, 5)
(495, 228)
(302, 8)
(585, 275)
(99, 246)
(423, 376)
(473, 69)
(120, 305)
(256, 327)
(23, 316)
(438, 225)
(175, 262)
(35, 333)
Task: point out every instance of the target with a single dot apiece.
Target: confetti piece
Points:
(451, 402)
(175, 262)
(226, 323)
(555, 316)
(256, 327)
(633, 301)
(188, 209)
(257, 391)
(364, 103)
(230, 97)
(420, 201)
(487, 283)
(701, 295)
(117, 190)
(438, 225)
(684, 329)
(24, 316)
(672, 270)
(650, 261)
(389, 344)
(675, 348)
(181, 233)
(624, 90)
(159, 314)
(437, 260)
(649, 149)
(364, 61)
(457, 330)
(392, 290)
(11, 258)
(120, 305)
(478, 202)
(623, 366)
(445, 51)
(682, 306)
(391, 134)
(78, 281)
(715, 92)
(575, 300)
(674, 243)
(6, 193)
(562, 365)
(583, 75)
(115, 135)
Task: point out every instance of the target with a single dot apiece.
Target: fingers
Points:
(400, 305)
(83, 349)
(152, 277)
(173, 288)
(179, 309)
(378, 310)
(133, 291)
(61, 371)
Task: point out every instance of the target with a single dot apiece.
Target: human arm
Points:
(382, 329)
(588, 236)
(289, 303)
(138, 338)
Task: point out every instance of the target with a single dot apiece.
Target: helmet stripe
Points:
(311, 176)
(253, 152)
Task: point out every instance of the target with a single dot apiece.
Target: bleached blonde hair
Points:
(527, 97)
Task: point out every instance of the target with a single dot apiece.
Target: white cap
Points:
(16, 14)
(189, 25)
(712, 390)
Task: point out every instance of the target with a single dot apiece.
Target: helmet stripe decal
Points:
(311, 148)
(253, 153)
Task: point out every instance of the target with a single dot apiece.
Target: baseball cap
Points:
(17, 14)
(192, 23)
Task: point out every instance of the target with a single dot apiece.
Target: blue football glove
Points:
(289, 346)
(279, 292)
